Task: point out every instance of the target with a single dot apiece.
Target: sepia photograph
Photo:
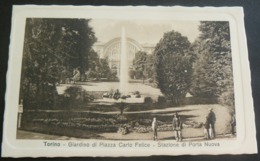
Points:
(126, 80)
(129, 82)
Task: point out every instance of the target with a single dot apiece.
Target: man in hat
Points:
(211, 121)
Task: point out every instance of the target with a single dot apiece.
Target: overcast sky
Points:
(143, 31)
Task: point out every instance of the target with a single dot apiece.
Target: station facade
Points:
(111, 50)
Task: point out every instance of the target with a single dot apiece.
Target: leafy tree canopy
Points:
(173, 65)
(213, 65)
(139, 64)
(52, 49)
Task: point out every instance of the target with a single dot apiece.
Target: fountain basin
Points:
(131, 100)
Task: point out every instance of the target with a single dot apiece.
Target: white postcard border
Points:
(246, 138)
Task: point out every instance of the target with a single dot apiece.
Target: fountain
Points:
(122, 96)
(123, 87)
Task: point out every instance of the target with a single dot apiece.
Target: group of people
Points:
(209, 126)
(176, 124)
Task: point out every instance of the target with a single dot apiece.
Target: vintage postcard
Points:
(128, 81)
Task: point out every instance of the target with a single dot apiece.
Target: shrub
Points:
(150, 80)
(162, 101)
(146, 122)
(42, 97)
(199, 100)
(76, 96)
(165, 127)
(142, 129)
(136, 93)
(121, 119)
(227, 99)
(148, 100)
(92, 124)
(123, 130)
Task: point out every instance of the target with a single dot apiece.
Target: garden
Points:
(109, 125)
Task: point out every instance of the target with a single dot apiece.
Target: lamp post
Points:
(20, 112)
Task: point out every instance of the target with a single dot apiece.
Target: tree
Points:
(104, 69)
(150, 65)
(173, 67)
(98, 68)
(139, 63)
(150, 68)
(77, 44)
(144, 66)
(213, 65)
(212, 76)
(52, 49)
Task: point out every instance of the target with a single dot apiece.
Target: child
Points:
(211, 133)
(206, 128)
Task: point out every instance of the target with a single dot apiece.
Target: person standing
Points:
(206, 128)
(211, 121)
(233, 124)
(177, 127)
(154, 128)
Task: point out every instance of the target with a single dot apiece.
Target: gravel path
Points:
(114, 136)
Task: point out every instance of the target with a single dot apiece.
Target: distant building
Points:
(111, 51)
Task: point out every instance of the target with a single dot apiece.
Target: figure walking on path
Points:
(177, 127)
(211, 120)
(154, 128)
(233, 124)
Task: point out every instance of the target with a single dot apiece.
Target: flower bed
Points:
(93, 122)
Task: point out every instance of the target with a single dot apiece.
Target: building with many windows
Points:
(111, 51)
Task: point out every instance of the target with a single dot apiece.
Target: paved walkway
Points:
(168, 135)
(39, 136)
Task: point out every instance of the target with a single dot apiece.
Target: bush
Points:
(112, 76)
(42, 97)
(227, 99)
(92, 124)
(136, 93)
(75, 96)
(162, 101)
(165, 127)
(150, 80)
(121, 119)
(123, 130)
(142, 129)
(146, 122)
(148, 100)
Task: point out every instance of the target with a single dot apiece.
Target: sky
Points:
(145, 32)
